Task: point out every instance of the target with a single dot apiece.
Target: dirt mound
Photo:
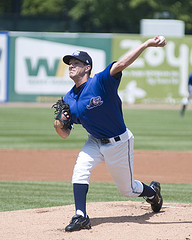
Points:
(110, 221)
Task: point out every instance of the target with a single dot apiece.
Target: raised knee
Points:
(127, 193)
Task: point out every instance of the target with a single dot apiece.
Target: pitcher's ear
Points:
(88, 68)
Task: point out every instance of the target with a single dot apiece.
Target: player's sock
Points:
(80, 193)
(147, 191)
(79, 212)
(183, 109)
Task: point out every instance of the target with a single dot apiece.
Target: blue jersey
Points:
(97, 105)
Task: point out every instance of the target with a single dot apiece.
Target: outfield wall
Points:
(37, 73)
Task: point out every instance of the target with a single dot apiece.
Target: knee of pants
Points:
(78, 177)
(129, 193)
(133, 190)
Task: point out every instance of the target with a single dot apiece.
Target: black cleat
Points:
(77, 223)
(157, 201)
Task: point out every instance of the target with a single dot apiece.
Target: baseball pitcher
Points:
(94, 103)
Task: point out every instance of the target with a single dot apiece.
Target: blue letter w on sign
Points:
(41, 63)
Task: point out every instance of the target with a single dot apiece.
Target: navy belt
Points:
(107, 140)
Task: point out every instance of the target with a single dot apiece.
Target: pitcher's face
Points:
(76, 68)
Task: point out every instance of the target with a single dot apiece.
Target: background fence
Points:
(31, 67)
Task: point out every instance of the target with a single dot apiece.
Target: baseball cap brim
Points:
(67, 58)
(79, 55)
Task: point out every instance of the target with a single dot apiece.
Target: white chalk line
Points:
(169, 206)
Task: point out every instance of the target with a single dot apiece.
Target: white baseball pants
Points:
(118, 157)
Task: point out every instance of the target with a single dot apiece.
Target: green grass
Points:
(32, 128)
(22, 128)
(160, 129)
(27, 195)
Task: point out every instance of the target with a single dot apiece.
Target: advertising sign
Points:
(3, 66)
(37, 72)
(159, 75)
(37, 66)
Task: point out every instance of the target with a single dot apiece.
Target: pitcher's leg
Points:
(119, 161)
(88, 158)
(80, 193)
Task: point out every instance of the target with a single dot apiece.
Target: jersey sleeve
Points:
(108, 81)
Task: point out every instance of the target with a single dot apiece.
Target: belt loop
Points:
(108, 140)
(104, 140)
(117, 139)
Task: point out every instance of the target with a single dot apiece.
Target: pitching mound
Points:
(112, 220)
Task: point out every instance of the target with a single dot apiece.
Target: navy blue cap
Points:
(79, 55)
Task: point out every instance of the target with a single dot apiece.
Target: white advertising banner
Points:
(39, 68)
(3, 66)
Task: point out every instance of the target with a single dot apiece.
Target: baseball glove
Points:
(62, 112)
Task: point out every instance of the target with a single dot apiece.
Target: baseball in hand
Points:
(162, 41)
(161, 38)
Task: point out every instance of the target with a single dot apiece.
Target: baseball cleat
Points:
(157, 201)
(77, 223)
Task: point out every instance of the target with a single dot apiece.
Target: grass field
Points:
(25, 195)
(32, 128)
(22, 128)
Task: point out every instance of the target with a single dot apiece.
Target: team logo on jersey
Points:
(95, 102)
